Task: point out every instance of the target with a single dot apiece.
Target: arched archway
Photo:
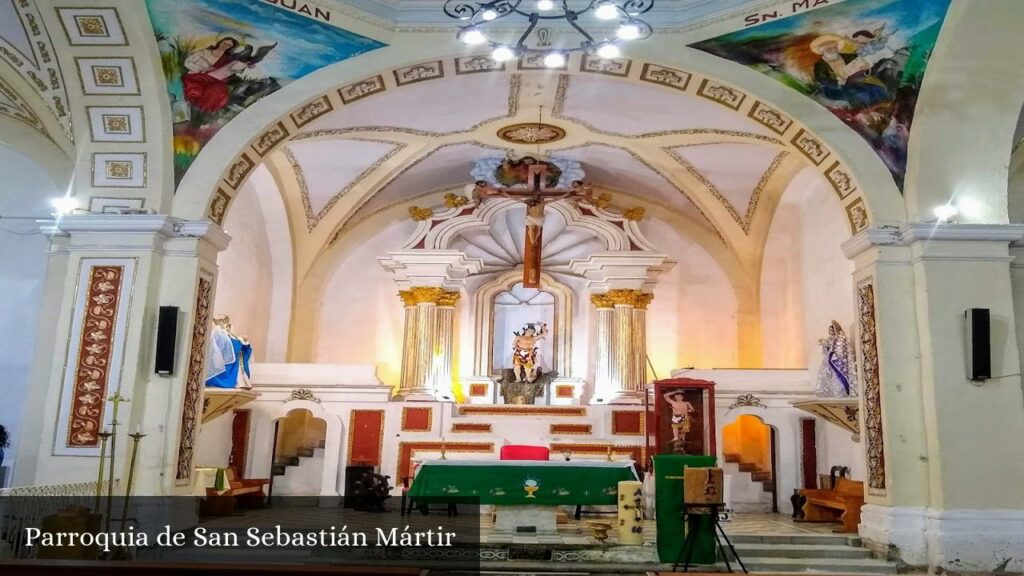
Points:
(859, 178)
(332, 475)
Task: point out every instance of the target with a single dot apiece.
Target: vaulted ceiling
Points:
(719, 171)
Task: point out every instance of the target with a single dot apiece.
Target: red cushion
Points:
(520, 452)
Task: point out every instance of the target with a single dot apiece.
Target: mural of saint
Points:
(210, 69)
(864, 60)
(221, 56)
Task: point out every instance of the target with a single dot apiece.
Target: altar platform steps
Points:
(822, 553)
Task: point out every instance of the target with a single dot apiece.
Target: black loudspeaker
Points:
(166, 339)
(979, 355)
(353, 474)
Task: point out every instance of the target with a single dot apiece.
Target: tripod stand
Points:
(686, 553)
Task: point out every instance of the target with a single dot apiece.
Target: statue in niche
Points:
(525, 381)
(681, 421)
(837, 377)
(228, 356)
(525, 357)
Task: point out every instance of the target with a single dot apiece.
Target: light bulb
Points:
(503, 53)
(63, 205)
(554, 60)
(945, 212)
(489, 14)
(473, 36)
(608, 50)
(606, 11)
(628, 32)
(545, 5)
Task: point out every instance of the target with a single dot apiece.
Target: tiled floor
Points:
(572, 533)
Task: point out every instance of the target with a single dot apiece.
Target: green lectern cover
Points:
(668, 504)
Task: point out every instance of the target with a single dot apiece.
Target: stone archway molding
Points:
(208, 193)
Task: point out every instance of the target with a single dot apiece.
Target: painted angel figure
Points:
(525, 357)
(838, 375)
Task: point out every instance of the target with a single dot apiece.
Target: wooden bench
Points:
(244, 491)
(840, 504)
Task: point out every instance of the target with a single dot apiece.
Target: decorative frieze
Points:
(872, 385)
(194, 381)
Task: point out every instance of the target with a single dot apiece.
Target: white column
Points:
(604, 383)
(428, 341)
(640, 341)
(623, 357)
(444, 345)
(939, 447)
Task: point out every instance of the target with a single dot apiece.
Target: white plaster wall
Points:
(25, 190)
(806, 279)
(782, 309)
(826, 273)
(692, 319)
(213, 447)
(245, 283)
(361, 318)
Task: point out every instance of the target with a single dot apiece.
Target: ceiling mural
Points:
(864, 60)
(220, 56)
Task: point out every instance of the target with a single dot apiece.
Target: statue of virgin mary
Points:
(837, 376)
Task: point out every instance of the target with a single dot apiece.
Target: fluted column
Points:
(639, 378)
(444, 344)
(407, 345)
(604, 384)
(427, 346)
(623, 357)
(621, 345)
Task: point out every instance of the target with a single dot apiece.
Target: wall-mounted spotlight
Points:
(64, 205)
(946, 213)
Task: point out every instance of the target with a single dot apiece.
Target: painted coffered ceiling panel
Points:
(444, 168)
(327, 169)
(733, 170)
(619, 169)
(500, 245)
(429, 106)
(628, 110)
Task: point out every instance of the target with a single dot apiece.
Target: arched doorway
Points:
(749, 448)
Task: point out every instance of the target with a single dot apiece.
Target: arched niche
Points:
(332, 476)
(561, 330)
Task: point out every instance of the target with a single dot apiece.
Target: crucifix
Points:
(536, 196)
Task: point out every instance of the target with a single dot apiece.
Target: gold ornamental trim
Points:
(420, 214)
(620, 297)
(428, 295)
(531, 133)
(635, 214)
(455, 201)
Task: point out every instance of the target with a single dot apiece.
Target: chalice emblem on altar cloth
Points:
(531, 486)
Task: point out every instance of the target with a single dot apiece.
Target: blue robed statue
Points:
(838, 374)
(228, 356)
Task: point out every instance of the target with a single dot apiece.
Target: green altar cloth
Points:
(668, 504)
(521, 482)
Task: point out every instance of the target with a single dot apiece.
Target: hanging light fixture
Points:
(622, 14)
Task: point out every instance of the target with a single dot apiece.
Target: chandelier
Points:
(479, 16)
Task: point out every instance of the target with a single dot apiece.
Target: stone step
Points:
(821, 551)
(838, 565)
(801, 539)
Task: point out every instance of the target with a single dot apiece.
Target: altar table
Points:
(521, 482)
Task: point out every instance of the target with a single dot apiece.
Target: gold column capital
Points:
(620, 297)
(643, 300)
(428, 295)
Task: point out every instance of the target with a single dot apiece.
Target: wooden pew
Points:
(840, 504)
(245, 491)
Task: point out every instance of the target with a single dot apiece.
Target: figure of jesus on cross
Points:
(536, 196)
